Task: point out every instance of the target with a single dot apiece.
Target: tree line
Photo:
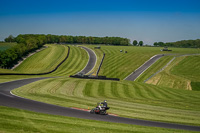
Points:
(183, 44)
(72, 39)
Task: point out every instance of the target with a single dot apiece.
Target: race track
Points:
(134, 75)
(10, 100)
(92, 61)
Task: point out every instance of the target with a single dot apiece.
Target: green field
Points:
(182, 73)
(127, 99)
(161, 101)
(21, 121)
(119, 64)
(5, 45)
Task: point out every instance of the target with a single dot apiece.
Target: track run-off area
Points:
(11, 100)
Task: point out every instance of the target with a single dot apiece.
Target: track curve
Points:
(92, 61)
(10, 100)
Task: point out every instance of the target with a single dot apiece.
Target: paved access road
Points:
(134, 75)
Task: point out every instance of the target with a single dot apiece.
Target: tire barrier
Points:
(100, 64)
(41, 73)
(97, 77)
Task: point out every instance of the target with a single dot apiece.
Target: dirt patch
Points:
(154, 80)
(189, 87)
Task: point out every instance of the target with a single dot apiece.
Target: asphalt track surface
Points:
(92, 61)
(10, 100)
(134, 75)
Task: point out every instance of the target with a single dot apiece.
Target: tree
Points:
(10, 38)
(135, 42)
(140, 43)
(155, 44)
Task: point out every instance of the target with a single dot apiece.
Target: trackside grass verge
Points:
(21, 121)
(125, 98)
(182, 73)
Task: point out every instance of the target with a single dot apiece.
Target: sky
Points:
(146, 20)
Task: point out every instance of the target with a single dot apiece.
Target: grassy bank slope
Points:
(128, 99)
(43, 61)
(182, 73)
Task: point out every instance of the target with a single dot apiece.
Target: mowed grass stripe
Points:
(76, 61)
(138, 99)
(43, 61)
(21, 121)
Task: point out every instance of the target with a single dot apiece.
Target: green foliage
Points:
(183, 43)
(4, 46)
(87, 40)
(135, 42)
(10, 39)
(26, 44)
(140, 43)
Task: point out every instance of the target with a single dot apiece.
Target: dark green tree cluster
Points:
(10, 38)
(183, 44)
(87, 40)
(26, 44)
(135, 43)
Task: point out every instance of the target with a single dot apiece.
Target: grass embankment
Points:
(25, 121)
(119, 64)
(182, 73)
(43, 61)
(6, 45)
(76, 62)
(127, 99)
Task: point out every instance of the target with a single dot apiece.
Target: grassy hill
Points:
(126, 98)
(43, 61)
(182, 73)
(159, 102)
(119, 64)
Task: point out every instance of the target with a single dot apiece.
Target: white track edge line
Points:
(139, 67)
